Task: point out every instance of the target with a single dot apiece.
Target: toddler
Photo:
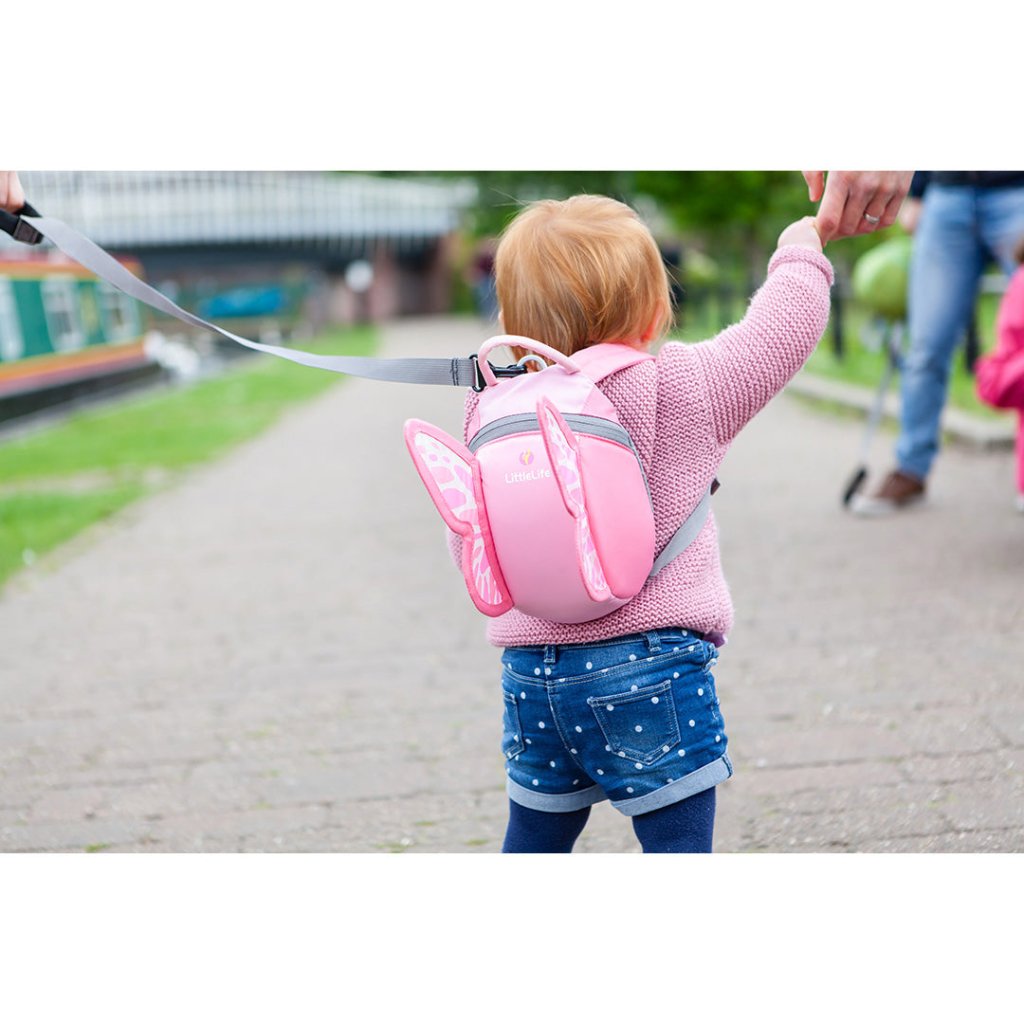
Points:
(576, 273)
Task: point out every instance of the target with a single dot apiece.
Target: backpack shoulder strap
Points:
(685, 535)
(600, 361)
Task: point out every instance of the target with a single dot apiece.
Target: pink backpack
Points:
(549, 496)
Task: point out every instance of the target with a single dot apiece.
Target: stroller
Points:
(880, 284)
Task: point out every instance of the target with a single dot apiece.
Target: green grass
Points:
(31, 524)
(58, 481)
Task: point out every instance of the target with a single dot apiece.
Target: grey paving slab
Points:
(274, 653)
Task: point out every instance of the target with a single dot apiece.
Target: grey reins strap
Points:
(30, 227)
(453, 372)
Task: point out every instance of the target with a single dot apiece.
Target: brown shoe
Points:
(897, 491)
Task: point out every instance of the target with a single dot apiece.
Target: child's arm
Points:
(750, 362)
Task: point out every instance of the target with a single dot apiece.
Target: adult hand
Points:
(856, 202)
(12, 196)
(803, 232)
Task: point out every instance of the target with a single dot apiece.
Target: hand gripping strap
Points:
(451, 474)
(563, 454)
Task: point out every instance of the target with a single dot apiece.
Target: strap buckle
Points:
(17, 228)
(478, 385)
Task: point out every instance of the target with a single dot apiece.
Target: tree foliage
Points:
(734, 216)
(740, 211)
(731, 213)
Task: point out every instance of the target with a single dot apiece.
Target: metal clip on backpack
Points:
(549, 496)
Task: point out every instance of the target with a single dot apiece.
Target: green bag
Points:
(880, 277)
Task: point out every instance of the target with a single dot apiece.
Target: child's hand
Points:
(804, 232)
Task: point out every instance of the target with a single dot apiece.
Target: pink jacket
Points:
(683, 410)
(999, 376)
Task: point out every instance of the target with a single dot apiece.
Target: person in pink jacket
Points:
(999, 375)
(575, 273)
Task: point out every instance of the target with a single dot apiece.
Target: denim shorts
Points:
(634, 720)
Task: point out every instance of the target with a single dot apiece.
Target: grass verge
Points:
(55, 483)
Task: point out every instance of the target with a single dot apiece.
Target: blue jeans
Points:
(961, 229)
(634, 719)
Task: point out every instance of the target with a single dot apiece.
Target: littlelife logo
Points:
(526, 458)
(522, 478)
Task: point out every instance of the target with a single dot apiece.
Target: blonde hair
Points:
(577, 272)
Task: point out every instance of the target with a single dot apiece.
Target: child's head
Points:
(1018, 251)
(581, 271)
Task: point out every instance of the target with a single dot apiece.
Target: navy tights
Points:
(683, 827)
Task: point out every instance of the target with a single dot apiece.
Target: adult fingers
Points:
(875, 213)
(833, 204)
(851, 194)
(873, 202)
(882, 209)
(891, 212)
(897, 183)
(863, 198)
(12, 197)
(815, 184)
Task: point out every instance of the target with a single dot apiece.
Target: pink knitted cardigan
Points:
(683, 410)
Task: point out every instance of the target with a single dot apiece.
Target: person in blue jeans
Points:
(961, 221)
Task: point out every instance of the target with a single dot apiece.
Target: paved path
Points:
(275, 654)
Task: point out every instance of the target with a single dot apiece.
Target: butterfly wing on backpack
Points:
(564, 456)
(451, 474)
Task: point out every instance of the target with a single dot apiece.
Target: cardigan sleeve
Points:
(749, 363)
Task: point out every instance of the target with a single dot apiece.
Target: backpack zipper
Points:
(593, 426)
(524, 423)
